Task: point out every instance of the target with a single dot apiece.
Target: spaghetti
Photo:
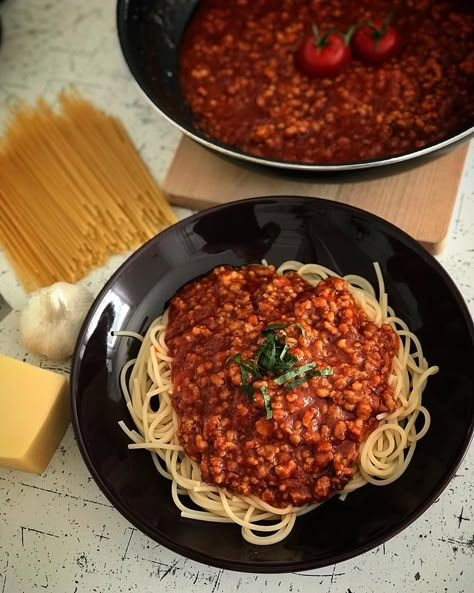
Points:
(73, 191)
(383, 456)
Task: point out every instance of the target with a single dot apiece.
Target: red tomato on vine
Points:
(375, 43)
(324, 55)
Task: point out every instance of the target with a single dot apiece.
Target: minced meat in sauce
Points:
(238, 74)
(308, 449)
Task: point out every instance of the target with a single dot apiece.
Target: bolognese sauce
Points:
(238, 74)
(306, 448)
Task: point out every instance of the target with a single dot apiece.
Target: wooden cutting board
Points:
(418, 198)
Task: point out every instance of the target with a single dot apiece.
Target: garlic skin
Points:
(52, 317)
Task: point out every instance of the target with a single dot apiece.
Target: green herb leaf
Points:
(248, 389)
(242, 364)
(307, 376)
(265, 359)
(273, 358)
(289, 386)
(272, 355)
(324, 372)
(247, 368)
(286, 347)
(267, 400)
(301, 328)
(244, 370)
(294, 373)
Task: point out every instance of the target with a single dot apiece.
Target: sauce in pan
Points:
(239, 76)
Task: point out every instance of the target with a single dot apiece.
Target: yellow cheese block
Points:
(34, 414)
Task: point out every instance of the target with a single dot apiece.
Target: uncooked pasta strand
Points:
(74, 191)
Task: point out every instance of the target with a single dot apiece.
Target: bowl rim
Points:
(235, 153)
(256, 567)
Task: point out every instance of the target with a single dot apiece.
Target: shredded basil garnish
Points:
(247, 388)
(301, 328)
(286, 347)
(267, 400)
(273, 358)
(289, 386)
(316, 373)
(324, 372)
(294, 373)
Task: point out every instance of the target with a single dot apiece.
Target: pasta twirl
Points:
(382, 458)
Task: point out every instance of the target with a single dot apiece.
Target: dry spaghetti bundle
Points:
(73, 191)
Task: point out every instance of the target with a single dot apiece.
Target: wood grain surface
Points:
(418, 198)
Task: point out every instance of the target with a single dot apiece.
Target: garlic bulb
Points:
(52, 318)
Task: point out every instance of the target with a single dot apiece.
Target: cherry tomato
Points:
(323, 56)
(376, 43)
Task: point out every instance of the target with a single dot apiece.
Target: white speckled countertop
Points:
(57, 531)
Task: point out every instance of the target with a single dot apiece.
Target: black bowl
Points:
(150, 32)
(343, 238)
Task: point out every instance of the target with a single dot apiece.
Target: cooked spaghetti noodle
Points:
(383, 456)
